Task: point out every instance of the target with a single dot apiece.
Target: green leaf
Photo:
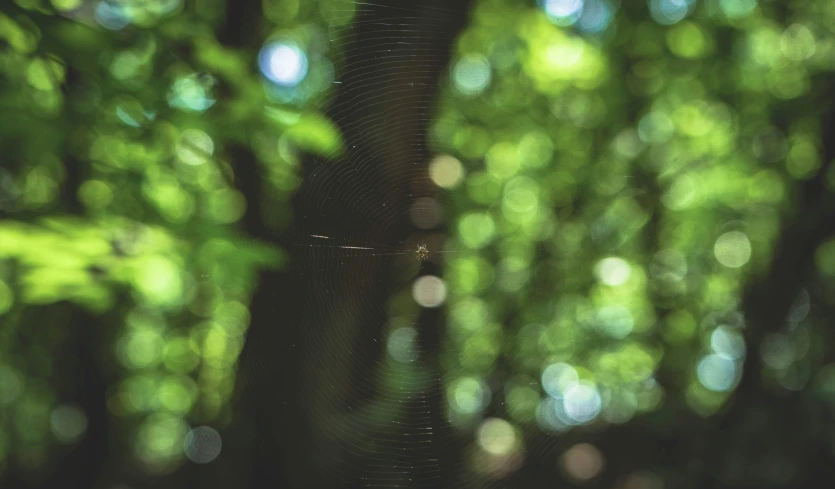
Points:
(284, 118)
(313, 133)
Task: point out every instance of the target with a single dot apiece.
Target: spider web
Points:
(380, 423)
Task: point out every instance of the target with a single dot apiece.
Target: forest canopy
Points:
(391, 244)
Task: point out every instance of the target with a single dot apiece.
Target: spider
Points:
(422, 252)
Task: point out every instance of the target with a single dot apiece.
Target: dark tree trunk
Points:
(316, 336)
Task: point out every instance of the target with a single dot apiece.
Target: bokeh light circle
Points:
(717, 372)
(557, 377)
(563, 12)
(582, 462)
(732, 249)
(496, 436)
(202, 444)
(471, 75)
(582, 402)
(283, 63)
(613, 271)
(68, 423)
(446, 171)
(429, 291)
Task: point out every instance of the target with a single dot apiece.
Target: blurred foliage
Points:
(628, 168)
(119, 192)
(615, 174)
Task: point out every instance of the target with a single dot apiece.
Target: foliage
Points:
(120, 193)
(628, 172)
(624, 183)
